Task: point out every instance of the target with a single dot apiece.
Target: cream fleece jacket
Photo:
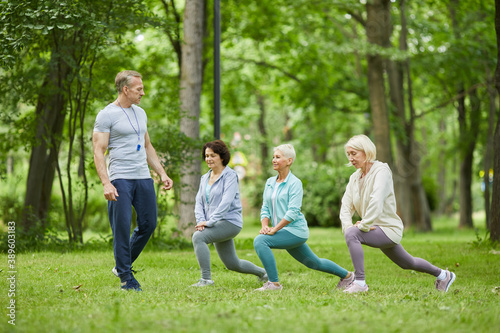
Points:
(375, 202)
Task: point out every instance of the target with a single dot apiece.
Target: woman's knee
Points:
(350, 234)
(197, 237)
(259, 242)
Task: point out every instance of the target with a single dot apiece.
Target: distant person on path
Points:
(218, 216)
(121, 128)
(370, 192)
(282, 202)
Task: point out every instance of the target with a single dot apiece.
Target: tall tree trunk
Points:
(412, 202)
(495, 199)
(190, 93)
(50, 113)
(376, 25)
(488, 150)
(404, 169)
(442, 207)
(468, 138)
(264, 148)
(469, 127)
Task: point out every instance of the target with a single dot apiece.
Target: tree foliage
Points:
(292, 71)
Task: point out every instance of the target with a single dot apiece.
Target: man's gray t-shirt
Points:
(125, 161)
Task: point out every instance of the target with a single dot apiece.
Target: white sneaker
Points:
(444, 285)
(345, 282)
(203, 283)
(269, 286)
(356, 288)
(114, 271)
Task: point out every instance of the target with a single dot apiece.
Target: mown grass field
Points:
(398, 301)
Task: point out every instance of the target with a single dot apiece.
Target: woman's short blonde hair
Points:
(287, 150)
(362, 143)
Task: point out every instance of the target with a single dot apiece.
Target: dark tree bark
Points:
(488, 150)
(468, 138)
(264, 148)
(469, 129)
(412, 202)
(376, 25)
(50, 115)
(495, 200)
(174, 35)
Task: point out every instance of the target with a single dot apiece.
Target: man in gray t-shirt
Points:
(121, 129)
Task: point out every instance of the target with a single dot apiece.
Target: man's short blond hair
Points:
(123, 79)
(362, 143)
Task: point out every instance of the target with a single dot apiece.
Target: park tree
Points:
(304, 72)
(62, 40)
(468, 119)
(377, 26)
(383, 58)
(190, 94)
(495, 200)
(408, 176)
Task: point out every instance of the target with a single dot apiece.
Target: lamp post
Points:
(217, 69)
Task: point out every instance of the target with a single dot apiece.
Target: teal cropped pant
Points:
(298, 248)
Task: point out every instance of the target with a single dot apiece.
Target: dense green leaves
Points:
(291, 71)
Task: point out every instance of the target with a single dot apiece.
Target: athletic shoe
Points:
(269, 286)
(356, 288)
(131, 284)
(345, 282)
(263, 278)
(444, 285)
(203, 283)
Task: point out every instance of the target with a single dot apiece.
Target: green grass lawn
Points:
(398, 300)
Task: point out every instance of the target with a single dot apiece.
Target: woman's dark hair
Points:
(220, 148)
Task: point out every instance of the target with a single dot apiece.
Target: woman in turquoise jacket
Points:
(282, 201)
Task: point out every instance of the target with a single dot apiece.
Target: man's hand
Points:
(167, 182)
(110, 192)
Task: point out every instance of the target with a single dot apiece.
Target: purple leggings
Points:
(377, 239)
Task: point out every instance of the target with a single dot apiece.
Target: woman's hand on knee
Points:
(359, 222)
(271, 232)
(201, 226)
(265, 230)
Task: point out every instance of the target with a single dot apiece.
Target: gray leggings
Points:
(221, 235)
(377, 239)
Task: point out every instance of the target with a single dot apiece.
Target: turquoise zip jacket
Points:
(288, 204)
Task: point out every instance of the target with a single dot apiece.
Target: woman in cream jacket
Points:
(370, 192)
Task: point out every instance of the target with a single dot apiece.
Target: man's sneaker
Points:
(131, 284)
(263, 278)
(444, 285)
(356, 288)
(203, 283)
(269, 286)
(345, 282)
